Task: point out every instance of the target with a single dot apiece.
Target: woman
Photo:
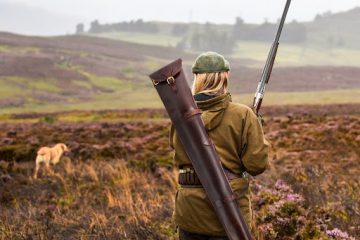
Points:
(239, 141)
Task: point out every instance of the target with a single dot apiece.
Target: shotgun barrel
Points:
(260, 92)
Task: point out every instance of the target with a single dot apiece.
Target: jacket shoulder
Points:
(239, 108)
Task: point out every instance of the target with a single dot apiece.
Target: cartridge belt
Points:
(188, 176)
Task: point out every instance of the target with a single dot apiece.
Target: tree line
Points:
(131, 26)
(295, 32)
(208, 36)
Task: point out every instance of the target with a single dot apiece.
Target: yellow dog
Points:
(49, 155)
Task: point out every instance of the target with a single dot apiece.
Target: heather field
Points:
(118, 181)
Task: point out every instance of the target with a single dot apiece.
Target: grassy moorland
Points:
(164, 40)
(288, 55)
(149, 99)
(118, 182)
(298, 54)
(109, 70)
(79, 72)
(330, 39)
(298, 98)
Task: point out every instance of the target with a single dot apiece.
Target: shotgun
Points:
(260, 92)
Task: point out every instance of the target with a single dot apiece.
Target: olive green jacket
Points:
(239, 140)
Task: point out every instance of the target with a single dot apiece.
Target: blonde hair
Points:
(211, 83)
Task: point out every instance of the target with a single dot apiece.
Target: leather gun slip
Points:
(174, 91)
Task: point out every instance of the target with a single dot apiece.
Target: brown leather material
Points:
(162, 76)
(229, 198)
(200, 150)
(192, 112)
(184, 235)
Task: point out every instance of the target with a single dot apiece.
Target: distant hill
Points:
(336, 29)
(332, 39)
(326, 31)
(81, 72)
(74, 70)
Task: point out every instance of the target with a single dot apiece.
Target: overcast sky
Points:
(216, 11)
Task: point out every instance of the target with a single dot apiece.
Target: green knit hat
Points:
(210, 62)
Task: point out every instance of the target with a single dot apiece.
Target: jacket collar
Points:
(203, 97)
(215, 102)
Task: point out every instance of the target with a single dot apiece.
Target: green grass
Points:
(142, 38)
(113, 94)
(6, 48)
(153, 63)
(295, 98)
(135, 90)
(294, 55)
(129, 100)
(7, 90)
(15, 87)
(48, 86)
(129, 71)
(82, 84)
(288, 54)
(148, 98)
(110, 83)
